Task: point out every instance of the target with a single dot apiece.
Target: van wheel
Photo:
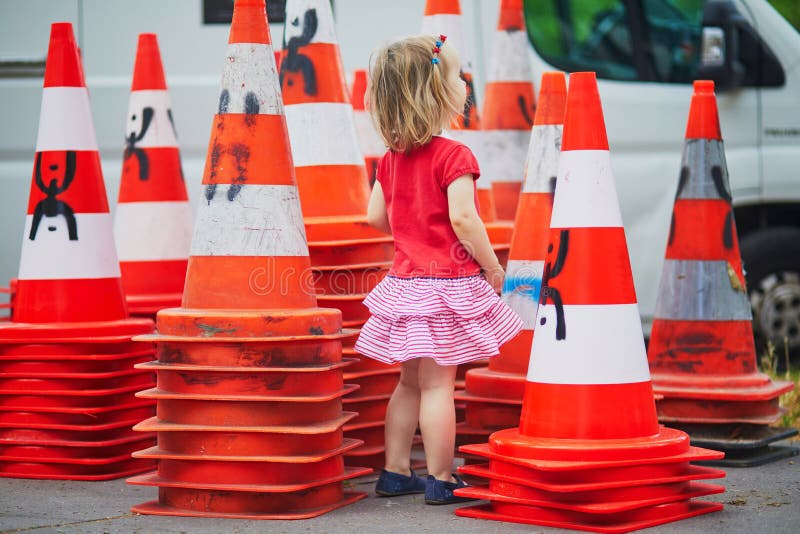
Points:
(772, 270)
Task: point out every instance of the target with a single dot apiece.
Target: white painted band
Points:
(65, 120)
(323, 134)
(521, 289)
(153, 231)
(451, 26)
(369, 140)
(260, 220)
(603, 345)
(160, 131)
(250, 74)
(52, 256)
(586, 195)
(510, 58)
(504, 153)
(295, 21)
(544, 151)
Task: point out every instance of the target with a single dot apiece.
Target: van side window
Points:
(646, 40)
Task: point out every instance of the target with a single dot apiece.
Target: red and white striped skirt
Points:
(452, 320)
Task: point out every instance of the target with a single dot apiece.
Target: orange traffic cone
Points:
(574, 462)
(372, 145)
(701, 352)
(493, 394)
(329, 165)
(249, 370)
(508, 110)
(443, 17)
(153, 220)
(334, 190)
(66, 359)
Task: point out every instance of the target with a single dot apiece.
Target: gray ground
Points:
(758, 499)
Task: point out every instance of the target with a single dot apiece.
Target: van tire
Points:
(772, 270)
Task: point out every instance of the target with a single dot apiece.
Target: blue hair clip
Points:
(438, 48)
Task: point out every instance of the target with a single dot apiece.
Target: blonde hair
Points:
(410, 99)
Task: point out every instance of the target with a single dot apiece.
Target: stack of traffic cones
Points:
(9, 305)
(372, 146)
(493, 395)
(589, 453)
(701, 351)
(153, 220)
(443, 17)
(68, 382)
(508, 110)
(249, 370)
(349, 257)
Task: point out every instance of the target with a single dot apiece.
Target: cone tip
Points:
(63, 67)
(584, 126)
(511, 15)
(703, 120)
(148, 72)
(552, 98)
(359, 89)
(442, 7)
(249, 24)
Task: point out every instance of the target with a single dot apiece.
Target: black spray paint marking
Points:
(523, 108)
(552, 271)
(130, 144)
(297, 62)
(50, 206)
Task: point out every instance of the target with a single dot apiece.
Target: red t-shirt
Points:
(415, 189)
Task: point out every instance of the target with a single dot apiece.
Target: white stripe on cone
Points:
(541, 168)
(511, 62)
(524, 282)
(160, 132)
(450, 26)
(297, 9)
(65, 121)
(147, 231)
(504, 153)
(369, 139)
(251, 70)
(323, 134)
(587, 195)
(261, 220)
(603, 345)
(52, 256)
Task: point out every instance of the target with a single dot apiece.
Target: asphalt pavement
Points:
(764, 499)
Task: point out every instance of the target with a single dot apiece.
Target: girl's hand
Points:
(495, 277)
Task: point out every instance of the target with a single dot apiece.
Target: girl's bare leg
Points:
(402, 415)
(437, 416)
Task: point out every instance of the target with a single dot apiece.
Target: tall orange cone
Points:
(249, 418)
(493, 394)
(329, 164)
(153, 220)
(347, 255)
(372, 145)
(574, 462)
(443, 17)
(701, 351)
(508, 109)
(66, 358)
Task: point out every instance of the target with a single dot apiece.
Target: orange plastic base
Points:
(612, 524)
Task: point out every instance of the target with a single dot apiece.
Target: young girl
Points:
(438, 306)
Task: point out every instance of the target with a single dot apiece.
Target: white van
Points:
(646, 54)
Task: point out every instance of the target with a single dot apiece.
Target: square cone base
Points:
(744, 445)
(155, 508)
(624, 522)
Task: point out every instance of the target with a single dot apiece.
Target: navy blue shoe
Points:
(441, 492)
(392, 484)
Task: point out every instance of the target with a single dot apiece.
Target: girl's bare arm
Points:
(377, 217)
(470, 230)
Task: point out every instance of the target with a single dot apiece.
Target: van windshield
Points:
(654, 40)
